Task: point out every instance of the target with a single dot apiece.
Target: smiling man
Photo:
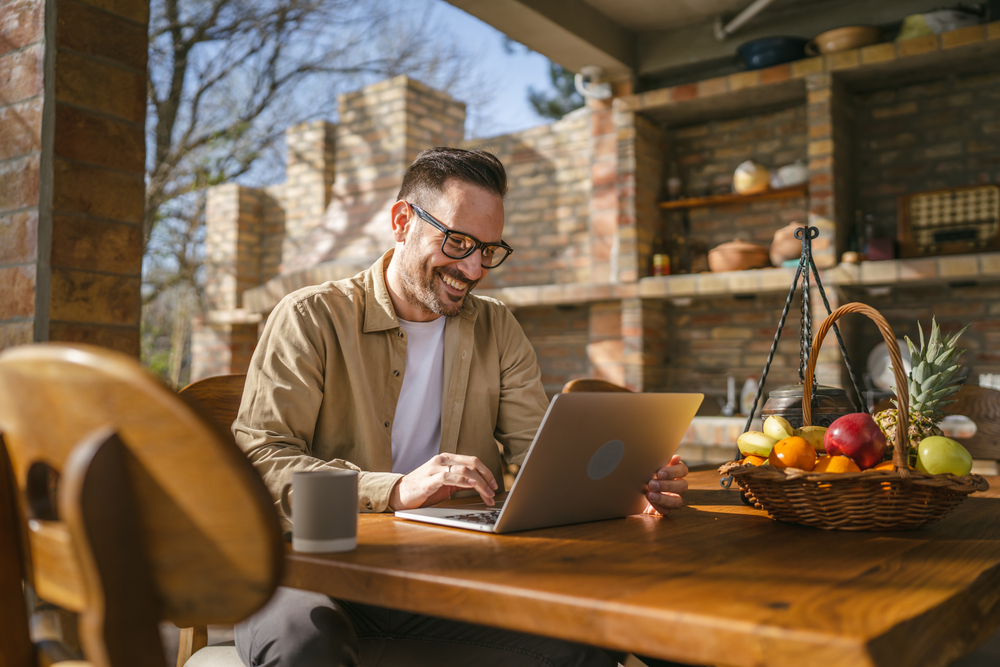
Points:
(402, 374)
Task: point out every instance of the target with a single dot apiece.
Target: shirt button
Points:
(399, 333)
(396, 373)
(387, 424)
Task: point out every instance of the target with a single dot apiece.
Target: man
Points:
(401, 374)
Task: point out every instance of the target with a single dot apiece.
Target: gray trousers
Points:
(303, 629)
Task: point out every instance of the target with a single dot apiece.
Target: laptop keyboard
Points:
(490, 516)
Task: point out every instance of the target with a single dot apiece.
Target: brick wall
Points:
(708, 154)
(930, 136)
(953, 305)
(708, 338)
(560, 335)
(72, 153)
(548, 203)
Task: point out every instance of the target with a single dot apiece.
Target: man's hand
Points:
(439, 478)
(664, 491)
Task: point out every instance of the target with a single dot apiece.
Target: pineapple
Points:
(933, 366)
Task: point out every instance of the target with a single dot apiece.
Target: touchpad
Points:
(605, 459)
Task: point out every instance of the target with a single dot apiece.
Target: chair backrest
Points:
(982, 406)
(591, 384)
(93, 426)
(217, 398)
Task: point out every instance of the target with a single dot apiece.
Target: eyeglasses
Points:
(459, 246)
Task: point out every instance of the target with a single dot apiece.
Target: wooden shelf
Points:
(720, 200)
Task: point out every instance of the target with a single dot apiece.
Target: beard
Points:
(422, 284)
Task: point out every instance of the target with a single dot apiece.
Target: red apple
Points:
(857, 437)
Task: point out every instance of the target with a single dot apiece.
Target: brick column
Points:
(223, 339)
(72, 151)
(309, 175)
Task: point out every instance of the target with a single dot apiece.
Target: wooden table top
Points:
(714, 583)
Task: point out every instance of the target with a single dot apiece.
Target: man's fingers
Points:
(677, 486)
(469, 479)
(474, 463)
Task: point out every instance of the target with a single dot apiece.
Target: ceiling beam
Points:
(568, 32)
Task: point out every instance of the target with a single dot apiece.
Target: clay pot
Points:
(785, 246)
(842, 39)
(736, 256)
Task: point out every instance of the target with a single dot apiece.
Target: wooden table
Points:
(715, 583)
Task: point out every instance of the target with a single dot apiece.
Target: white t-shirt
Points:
(416, 428)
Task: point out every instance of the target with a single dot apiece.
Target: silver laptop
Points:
(590, 460)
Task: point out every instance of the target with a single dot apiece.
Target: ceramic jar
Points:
(785, 246)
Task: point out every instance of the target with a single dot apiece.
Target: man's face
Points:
(430, 280)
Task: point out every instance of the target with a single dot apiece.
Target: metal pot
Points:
(831, 403)
(769, 51)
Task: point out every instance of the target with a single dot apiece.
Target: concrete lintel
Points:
(568, 32)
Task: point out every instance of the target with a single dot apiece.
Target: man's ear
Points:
(401, 219)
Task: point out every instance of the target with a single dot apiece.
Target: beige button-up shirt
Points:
(323, 384)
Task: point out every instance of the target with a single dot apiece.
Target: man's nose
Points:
(472, 265)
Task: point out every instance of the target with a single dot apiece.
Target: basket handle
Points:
(899, 455)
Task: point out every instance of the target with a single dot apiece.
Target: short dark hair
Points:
(433, 167)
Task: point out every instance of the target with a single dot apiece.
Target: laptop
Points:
(590, 461)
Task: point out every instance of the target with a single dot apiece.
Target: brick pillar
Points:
(309, 175)
(830, 115)
(604, 193)
(72, 152)
(224, 338)
(605, 349)
(382, 128)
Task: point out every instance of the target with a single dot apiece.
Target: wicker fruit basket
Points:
(899, 499)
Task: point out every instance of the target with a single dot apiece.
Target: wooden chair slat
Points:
(16, 649)
(55, 571)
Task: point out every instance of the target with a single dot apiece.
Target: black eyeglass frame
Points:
(438, 225)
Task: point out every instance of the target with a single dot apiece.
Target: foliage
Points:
(559, 101)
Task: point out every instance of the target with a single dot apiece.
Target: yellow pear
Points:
(813, 435)
(778, 427)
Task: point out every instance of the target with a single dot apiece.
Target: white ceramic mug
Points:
(323, 511)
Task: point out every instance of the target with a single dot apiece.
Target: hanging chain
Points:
(806, 266)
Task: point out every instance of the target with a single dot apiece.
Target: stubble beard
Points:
(421, 285)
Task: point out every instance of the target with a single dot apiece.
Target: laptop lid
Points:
(592, 456)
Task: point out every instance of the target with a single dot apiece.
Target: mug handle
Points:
(286, 506)
(811, 48)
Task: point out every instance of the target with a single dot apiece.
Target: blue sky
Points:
(509, 110)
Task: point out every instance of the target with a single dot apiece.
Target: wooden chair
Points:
(217, 399)
(592, 384)
(119, 502)
(981, 405)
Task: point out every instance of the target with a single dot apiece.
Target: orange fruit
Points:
(793, 452)
(753, 460)
(836, 464)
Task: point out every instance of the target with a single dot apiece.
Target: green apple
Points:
(938, 454)
(778, 428)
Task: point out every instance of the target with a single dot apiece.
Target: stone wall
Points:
(72, 153)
